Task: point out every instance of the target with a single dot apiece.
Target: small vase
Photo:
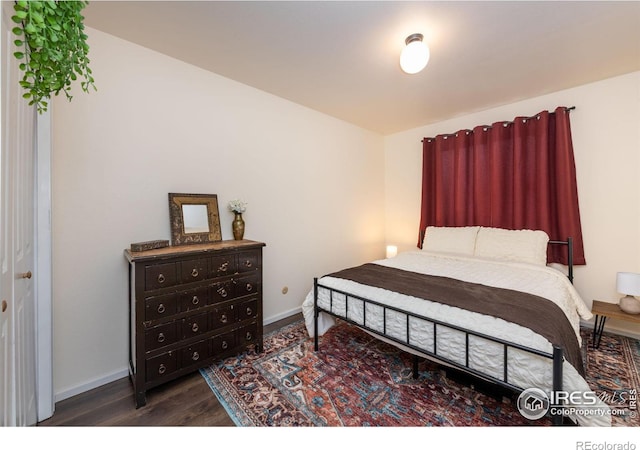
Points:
(238, 227)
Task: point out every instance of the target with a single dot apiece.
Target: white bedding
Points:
(525, 370)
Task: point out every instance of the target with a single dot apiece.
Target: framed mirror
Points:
(194, 218)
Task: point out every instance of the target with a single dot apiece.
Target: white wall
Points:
(314, 187)
(606, 138)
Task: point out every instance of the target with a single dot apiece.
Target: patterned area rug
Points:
(357, 380)
(613, 372)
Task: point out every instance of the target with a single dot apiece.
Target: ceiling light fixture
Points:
(415, 55)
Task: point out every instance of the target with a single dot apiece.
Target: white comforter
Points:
(525, 370)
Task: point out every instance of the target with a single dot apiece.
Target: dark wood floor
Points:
(187, 401)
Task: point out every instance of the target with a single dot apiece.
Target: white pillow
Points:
(461, 240)
(529, 246)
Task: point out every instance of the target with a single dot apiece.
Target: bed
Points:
(482, 300)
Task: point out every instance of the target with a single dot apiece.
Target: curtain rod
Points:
(504, 122)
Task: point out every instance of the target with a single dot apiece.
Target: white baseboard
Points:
(282, 315)
(92, 384)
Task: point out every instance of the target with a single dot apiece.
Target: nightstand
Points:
(604, 310)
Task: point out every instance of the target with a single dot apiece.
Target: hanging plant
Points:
(52, 48)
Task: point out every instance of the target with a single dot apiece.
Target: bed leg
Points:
(415, 367)
(315, 314)
(557, 380)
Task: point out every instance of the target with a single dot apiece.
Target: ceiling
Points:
(342, 57)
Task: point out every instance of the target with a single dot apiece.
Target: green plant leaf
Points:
(37, 18)
(55, 49)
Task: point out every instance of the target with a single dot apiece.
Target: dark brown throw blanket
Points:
(531, 311)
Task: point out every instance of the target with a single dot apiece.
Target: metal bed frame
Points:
(556, 356)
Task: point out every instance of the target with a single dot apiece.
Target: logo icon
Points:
(533, 403)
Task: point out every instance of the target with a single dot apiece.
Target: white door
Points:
(7, 416)
(17, 189)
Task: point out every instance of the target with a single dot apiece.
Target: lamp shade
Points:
(415, 55)
(392, 251)
(628, 283)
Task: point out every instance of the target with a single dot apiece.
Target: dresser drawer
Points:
(194, 325)
(161, 366)
(222, 317)
(193, 299)
(160, 275)
(160, 336)
(194, 353)
(160, 306)
(246, 285)
(248, 334)
(222, 343)
(222, 265)
(222, 291)
(193, 270)
(248, 309)
(248, 261)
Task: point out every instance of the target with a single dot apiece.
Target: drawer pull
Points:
(194, 272)
(195, 300)
(223, 267)
(249, 336)
(224, 345)
(224, 318)
(161, 337)
(249, 287)
(195, 356)
(161, 308)
(195, 327)
(222, 291)
(162, 369)
(248, 263)
(161, 278)
(249, 311)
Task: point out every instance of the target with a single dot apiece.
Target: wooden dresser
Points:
(191, 306)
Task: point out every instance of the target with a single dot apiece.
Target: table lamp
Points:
(628, 283)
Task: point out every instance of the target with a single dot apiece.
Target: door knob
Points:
(26, 275)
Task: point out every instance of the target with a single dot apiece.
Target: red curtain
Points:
(512, 175)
